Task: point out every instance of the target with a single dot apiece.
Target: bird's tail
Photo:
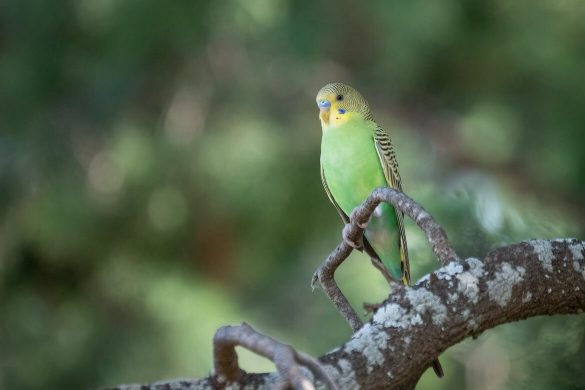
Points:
(438, 368)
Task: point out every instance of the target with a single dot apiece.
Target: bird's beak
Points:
(324, 106)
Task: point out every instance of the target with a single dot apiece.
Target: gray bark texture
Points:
(415, 324)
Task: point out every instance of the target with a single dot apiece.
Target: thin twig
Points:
(435, 234)
(325, 275)
(286, 358)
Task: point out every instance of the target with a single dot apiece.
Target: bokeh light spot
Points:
(167, 209)
(104, 176)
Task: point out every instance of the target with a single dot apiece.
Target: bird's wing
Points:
(390, 167)
(343, 216)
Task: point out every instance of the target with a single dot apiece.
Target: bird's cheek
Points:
(324, 116)
(338, 119)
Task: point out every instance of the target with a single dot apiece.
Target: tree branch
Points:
(461, 299)
(434, 232)
(354, 231)
(286, 359)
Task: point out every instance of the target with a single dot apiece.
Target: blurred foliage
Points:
(159, 174)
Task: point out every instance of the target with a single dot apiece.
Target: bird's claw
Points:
(354, 218)
(345, 234)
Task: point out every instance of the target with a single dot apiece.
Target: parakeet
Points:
(356, 157)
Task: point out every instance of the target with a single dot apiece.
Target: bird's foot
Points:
(346, 233)
(354, 217)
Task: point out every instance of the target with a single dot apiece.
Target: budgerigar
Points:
(356, 157)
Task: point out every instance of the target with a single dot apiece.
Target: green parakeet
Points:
(356, 157)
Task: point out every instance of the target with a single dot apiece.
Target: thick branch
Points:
(461, 299)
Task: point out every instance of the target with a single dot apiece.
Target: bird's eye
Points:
(339, 97)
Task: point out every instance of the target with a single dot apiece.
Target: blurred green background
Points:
(159, 174)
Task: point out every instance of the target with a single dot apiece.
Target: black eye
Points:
(339, 97)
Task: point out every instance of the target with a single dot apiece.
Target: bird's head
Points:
(338, 103)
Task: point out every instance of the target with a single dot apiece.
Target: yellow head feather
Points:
(338, 103)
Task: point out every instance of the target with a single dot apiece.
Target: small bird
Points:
(357, 156)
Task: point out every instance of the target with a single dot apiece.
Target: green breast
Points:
(350, 163)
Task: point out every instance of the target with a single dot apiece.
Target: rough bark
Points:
(459, 300)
